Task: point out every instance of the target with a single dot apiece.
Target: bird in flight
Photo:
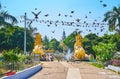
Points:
(46, 15)
(101, 1)
(36, 14)
(66, 15)
(104, 5)
(72, 11)
(78, 20)
(90, 12)
(59, 14)
(35, 8)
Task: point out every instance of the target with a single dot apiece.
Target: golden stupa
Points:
(38, 46)
(79, 52)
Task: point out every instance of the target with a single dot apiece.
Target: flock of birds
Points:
(76, 23)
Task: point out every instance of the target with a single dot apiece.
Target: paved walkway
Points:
(73, 73)
(51, 70)
(79, 70)
(88, 71)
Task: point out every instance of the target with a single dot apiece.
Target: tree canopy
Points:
(13, 37)
(113, 19)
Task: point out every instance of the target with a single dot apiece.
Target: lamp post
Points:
(26, 19)
(25, 34)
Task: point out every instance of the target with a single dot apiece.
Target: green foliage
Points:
(89, 41)
(60, 48)
(91, 36)
(113, 18)
(4, 15)
(5, 33)
(15, 61)
(116, 39)
(29, 42)
(107, 38)
(13, 37)
(54, 44)
(21, 57)
(104, 51)
(113, 38)
(87, 45)
(46, 42)
(99, 65)
(10, 56)
(70, 40)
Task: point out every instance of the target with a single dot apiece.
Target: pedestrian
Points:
(50, 58)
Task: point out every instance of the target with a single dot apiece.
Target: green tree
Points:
(10, 57)
(46, 42)
(17, 39)
(115, 39)
(104, 51)
(11, 40)
(89, 41)
(106, 38)
(113, 18)
(70, 40)
(6, 33)
(54, 44)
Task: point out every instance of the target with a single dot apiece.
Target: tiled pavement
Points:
(51, 70)
(88, 71)
(79, 70)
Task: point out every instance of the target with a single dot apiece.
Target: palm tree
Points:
(5, 17)
(32, 30)
(113, 18)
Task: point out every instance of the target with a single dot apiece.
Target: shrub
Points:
(104, 52)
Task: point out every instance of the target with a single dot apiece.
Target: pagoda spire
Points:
(64, 35)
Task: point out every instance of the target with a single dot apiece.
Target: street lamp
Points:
(25, 19)
(25, 34)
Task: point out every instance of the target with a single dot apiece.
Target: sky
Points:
(92, 9)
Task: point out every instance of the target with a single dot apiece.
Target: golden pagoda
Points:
(38, 46)
(79, 52)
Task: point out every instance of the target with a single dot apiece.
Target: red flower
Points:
(10, 73)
